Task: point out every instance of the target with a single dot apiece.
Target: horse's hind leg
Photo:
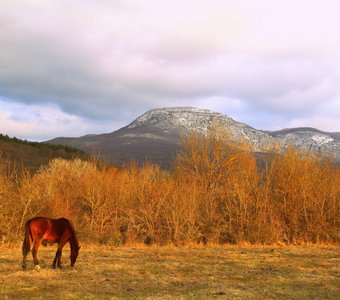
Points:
(25, 251)
(26, 244)
(34, 254)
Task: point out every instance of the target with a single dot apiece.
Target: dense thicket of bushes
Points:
(214, 193)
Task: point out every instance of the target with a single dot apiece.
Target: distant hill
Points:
(156, 136)
(33, 154)
(287, 131)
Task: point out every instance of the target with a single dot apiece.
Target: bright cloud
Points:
(44, 122)
(266, 63)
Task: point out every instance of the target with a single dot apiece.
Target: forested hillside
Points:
(32, 155)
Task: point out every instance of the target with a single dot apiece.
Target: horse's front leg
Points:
(34, 254)
(57, 259)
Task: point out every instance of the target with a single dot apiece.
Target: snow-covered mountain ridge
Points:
(156, 136)
(181, 120)
(184, 119)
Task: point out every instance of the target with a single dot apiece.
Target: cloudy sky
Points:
(73, 67)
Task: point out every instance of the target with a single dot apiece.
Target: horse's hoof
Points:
(37, 268)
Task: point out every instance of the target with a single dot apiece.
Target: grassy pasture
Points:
(221, 272)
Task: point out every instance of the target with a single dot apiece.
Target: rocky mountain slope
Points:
(156, 136)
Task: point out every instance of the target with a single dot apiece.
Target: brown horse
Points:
(40, 229)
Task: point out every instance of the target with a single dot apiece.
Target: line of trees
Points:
(215, 192)
(41, 145)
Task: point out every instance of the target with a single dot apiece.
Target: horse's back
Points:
(38, 226)
(44, 221)
(62, 225)
(38, 222)
(48, 229)
(63, 221)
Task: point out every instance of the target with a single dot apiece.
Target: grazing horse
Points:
(40, 229)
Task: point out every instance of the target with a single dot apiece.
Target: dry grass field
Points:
(230, 272)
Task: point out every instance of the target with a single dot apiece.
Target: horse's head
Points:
(74, 255)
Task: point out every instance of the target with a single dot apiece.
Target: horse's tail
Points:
(26, 245)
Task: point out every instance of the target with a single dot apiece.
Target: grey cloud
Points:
(105, 66)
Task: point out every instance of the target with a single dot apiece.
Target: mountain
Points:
(310, 139)
(156, 136)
